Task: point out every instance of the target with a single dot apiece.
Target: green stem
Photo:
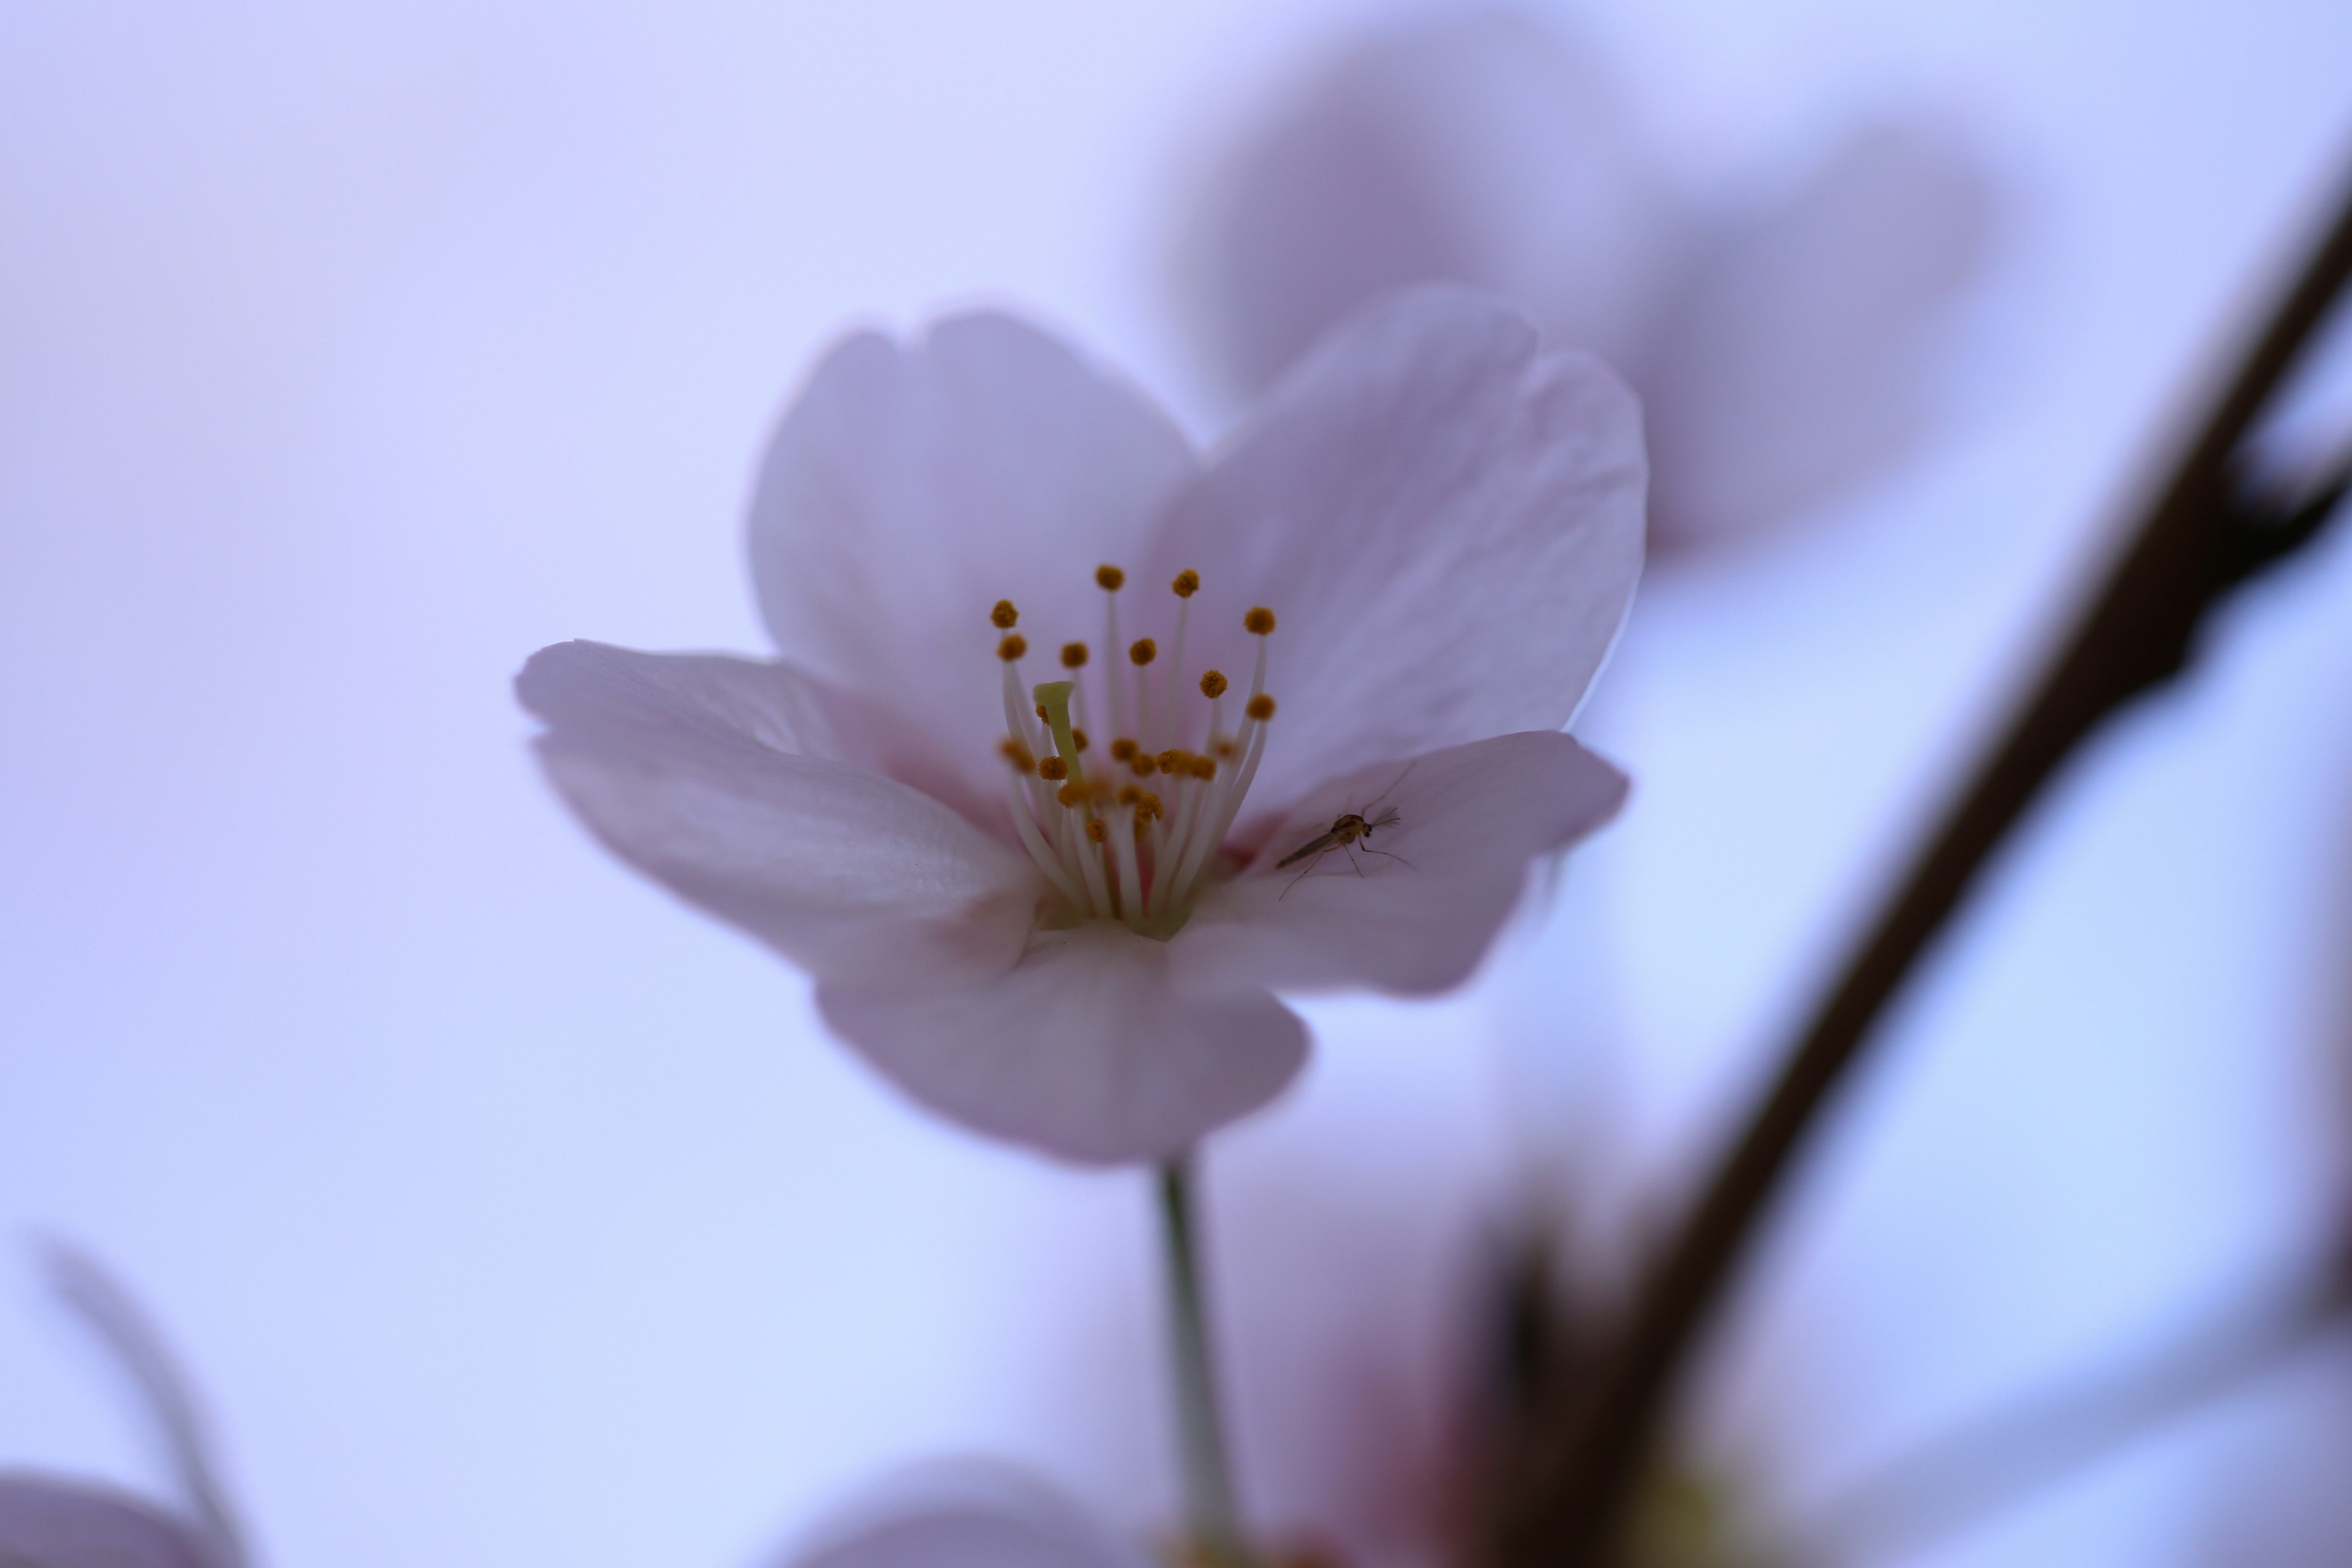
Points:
(1211, 1520)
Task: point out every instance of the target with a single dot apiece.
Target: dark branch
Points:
(2201, 538)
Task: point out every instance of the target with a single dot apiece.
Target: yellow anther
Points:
(1074, 656)
(1144, 763)
(1013, 645)
(1096, 831)
(1110, 579)
(1143, 652)
(1225, 749)
(1212, 684)
(1053, 769)
(1005, 616)
(1260, 708)
(1187, 584)
(1073, 794)
(1258, 621)
(1172, 760)
(1019, 755)
(1204, 767)
(1079, 736)
(1129, 794)
(1148, 809)
(1121, 748)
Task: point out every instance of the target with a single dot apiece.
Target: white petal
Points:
(56, 1524)
(1411, 908)
(1089, 1047)
(1478, 148)
(1446, 520)
(968, 1514)
(1796, 360)
(691, 768)
(912, 486)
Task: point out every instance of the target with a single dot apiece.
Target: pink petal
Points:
(718, 778)
(56, 1524)
(964, 1515)
(1446, 518)
(1091, 1047)
(1412, 908)
(912, 486)
(1479, 148)
(1795, 361)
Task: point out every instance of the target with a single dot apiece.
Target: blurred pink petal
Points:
(964, 1515)
(46, 1522)
(1796, 357)
(1446, 520)
(1478, 148)
(56, 1524)
(1782, 353)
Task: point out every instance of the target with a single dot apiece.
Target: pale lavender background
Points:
(514, 1215)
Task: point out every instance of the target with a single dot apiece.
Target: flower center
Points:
(1130, 832)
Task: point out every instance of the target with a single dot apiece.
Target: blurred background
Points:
(507, 1213)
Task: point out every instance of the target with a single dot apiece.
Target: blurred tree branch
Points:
(2210, 528)
(2004, 1455)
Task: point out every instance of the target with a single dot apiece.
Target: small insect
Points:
(1346, 833)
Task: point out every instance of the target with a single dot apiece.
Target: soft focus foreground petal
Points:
(1796, 360)
(1410, 910)
(1089, 1047)
(691, 768)
(1445, 517)
(967, 1514)
(56, 1524)
(109, 1310)
(912, 486)
(1479, 148)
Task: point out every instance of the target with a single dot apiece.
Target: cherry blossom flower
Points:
(49, 1521)
(1780, 347)
(1058, 701)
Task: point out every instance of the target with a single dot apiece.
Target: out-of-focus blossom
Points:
(1073, 941)
(964, 1514)
(53, 1523)
(1780, 347)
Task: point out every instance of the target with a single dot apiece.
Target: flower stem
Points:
(1212, 1521)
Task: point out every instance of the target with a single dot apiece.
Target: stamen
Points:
(1112, 849)
(1109, 579)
